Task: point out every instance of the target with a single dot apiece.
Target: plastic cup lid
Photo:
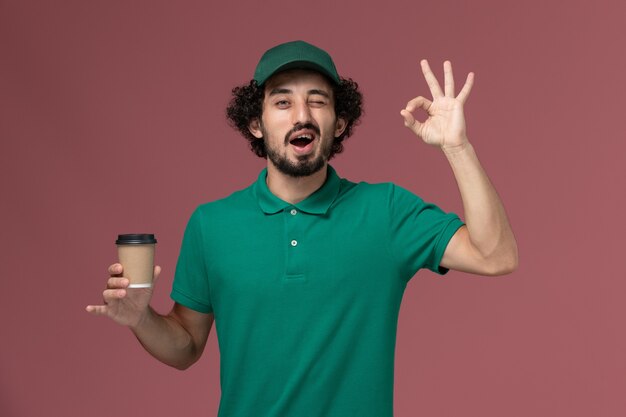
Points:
(135, 238)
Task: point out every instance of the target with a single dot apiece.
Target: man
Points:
(303, 271)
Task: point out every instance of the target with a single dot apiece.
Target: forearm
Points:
(166, 339)
(488, 226)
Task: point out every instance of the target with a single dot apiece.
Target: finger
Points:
(410, 122)
(116, 270)
(466, 88)
(115, 282)
(113, 295)
(96, 310)
(448, 79)
(156, 273)
(431, 80)
(417, 103)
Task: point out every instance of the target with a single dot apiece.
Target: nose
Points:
(301, 112)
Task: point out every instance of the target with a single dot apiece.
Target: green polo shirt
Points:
(306, 296)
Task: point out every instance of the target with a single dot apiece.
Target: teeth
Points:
(309, 137)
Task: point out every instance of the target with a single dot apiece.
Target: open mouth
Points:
(301, 141)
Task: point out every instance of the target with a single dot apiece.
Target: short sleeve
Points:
(191, 283)
(419, 232)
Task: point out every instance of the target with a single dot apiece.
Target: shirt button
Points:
(294, 242)
(294, 212)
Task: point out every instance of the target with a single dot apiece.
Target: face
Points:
(298, 124)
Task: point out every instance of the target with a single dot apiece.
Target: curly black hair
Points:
(246, 105)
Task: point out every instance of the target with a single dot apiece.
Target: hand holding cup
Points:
(124, 305)
(129, 288)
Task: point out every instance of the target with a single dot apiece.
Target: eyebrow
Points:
(276, 91)
(280, 91)
(319, 92)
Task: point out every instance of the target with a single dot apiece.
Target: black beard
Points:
(304, 166)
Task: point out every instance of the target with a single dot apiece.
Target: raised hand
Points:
(445, 125)
(124, 305)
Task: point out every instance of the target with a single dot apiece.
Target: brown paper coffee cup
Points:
(136, 254)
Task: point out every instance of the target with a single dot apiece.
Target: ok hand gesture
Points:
(445, 126)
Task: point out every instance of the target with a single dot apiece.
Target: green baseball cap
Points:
(292, 55)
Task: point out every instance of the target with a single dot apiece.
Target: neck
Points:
(292, 189)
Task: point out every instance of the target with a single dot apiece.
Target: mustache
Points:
(302, 126)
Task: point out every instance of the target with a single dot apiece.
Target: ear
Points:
(340, 126)
(255, 128)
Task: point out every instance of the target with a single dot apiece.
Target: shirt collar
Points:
(317, 203)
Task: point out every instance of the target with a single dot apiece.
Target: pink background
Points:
(112, 120)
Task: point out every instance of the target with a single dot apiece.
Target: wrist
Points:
(143, 318)
(462, 146)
